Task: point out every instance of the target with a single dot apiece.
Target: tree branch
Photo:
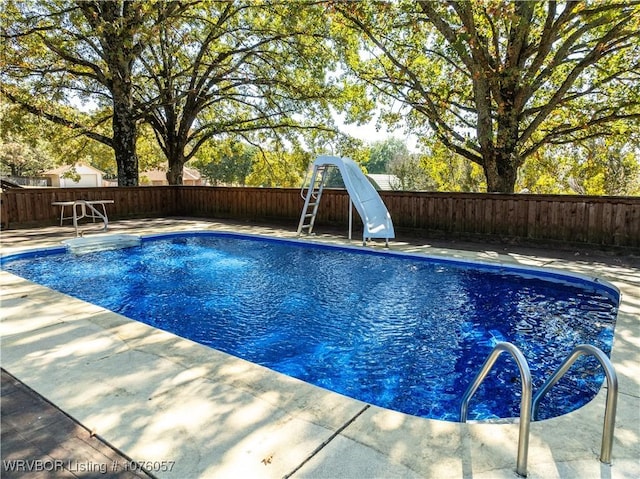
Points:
(56, 118)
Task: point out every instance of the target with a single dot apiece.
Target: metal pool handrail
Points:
(525, 402)
(612, 393)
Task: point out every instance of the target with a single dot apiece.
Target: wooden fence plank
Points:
(611, 221)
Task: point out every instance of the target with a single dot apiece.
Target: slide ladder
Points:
(312, 199)
(363, 196)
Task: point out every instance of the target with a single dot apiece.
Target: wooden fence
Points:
(605, 221)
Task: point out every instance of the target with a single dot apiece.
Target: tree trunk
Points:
(124, 123)
(124, 143)
(118, 23)
(174, 173)
(501, 155)
(501, 171)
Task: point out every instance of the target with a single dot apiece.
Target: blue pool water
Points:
(404, 332)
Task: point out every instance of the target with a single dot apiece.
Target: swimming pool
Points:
(399, 331)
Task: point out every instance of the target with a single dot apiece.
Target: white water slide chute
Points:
(375, 217)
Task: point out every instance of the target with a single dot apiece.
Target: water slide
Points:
(375, 216)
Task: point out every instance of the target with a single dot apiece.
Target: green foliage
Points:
(60, 52)
(447, 171)
(531, 95)
(22, 152)
(18, 159)
(33, 145)
(391, 156)
(72, 175)
(496, 81)
(278, 169)
(234, 163)
(225, 162)
(256, 70)
(150, 154)
(411, 174)
(600, 166)
(383, 153)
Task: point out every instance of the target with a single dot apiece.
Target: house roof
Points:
(161, 175)
(155, 175)
(191, 174)
(384, 182)
(79, 167)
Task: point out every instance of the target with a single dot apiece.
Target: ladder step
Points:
(312, 195)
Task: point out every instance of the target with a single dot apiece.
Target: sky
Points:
(369, 133)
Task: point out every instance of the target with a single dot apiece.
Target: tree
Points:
(448, 171)
(496, 81)
(18, 159)
(260, 70)
(233, 69)
(33, 144)
(20, 155)
(391, 156)
(410, 173)
(228, 162)
(278, 168)
(598, 166)
(383, 153)
(60, 51)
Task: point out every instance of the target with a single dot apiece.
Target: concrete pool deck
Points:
(172, 403)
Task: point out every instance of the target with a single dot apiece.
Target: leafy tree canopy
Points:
(495, 81)
(60, 51)
(258, 70)
(599, 166)
(226, 162)
(32, 145)
(383, 153)
(278, 168)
